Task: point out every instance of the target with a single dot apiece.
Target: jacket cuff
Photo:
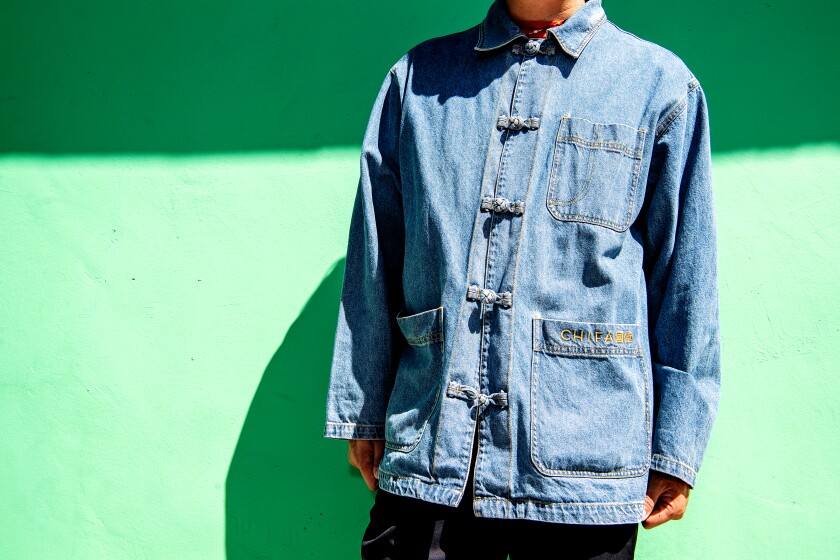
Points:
(673, 467)
(339, 430)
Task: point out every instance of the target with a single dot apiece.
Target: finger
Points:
(367, 474)
(351, 454)
(650, 502)
(663, 512)
(657, 517)
(365, 458)
(654, 493)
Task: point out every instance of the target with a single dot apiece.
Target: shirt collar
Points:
(498, 29)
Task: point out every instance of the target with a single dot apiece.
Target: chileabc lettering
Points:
(598, 337)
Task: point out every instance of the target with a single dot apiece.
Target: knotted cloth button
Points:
(518, 48)
(517, 123)
(501, 204)
(504, 299)
(480, 400)
(486, 295)
(532, 47)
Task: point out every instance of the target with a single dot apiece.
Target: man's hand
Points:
(365, 454)
(667, 498)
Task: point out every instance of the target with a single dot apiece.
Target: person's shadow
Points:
(290, 492)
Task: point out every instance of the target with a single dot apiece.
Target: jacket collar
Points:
(498, 29)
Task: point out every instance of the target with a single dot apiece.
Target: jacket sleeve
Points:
(682, 288)
(365, 352)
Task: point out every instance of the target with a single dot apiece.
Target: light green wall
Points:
(173, 238)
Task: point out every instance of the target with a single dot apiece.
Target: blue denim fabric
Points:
(532, 255)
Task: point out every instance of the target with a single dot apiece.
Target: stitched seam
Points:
(575, 504)
(425, 339)
(659, 457)
(620, 473)
(503, 44)
(540, 134)
(606, 145)
(560, 349)
(591, 157)
(648, 412)
(406, 447)
(640, 140)
(415, 479)
(669, 119)
(663, 127)
(355, 425)
(553, 202)
(552, 320)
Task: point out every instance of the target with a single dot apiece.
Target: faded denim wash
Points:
(532, 255)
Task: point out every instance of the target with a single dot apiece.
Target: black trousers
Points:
(403, 528)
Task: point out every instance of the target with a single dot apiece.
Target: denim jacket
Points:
(532, 255)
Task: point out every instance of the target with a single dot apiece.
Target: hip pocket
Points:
(590, 399)
(418, 380)
(594, 172)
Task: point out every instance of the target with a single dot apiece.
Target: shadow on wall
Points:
(198, 77)
(290, 492)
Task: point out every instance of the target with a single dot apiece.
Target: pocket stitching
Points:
(589, 160)
(406, 447)
(426, 339)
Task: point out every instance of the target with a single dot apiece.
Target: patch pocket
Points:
(590, 399)
(595, 172)
(418, 380)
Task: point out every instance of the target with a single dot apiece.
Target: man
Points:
(527, 353)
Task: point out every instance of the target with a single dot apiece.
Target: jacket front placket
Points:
(490, 294)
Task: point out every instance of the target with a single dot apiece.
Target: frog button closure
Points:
(486, 295)
(532, 48)
(501, 204)
(479, 400)
(515, 122)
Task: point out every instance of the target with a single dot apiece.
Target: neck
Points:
(543, 10)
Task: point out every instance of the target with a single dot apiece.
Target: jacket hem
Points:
(419, 489)
(341, 430)
(591, 513)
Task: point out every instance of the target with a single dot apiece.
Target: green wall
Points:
(175, 191)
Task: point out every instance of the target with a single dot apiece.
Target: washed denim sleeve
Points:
(682, 286)
(364, 354)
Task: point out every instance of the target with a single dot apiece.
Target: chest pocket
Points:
(595, 172)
